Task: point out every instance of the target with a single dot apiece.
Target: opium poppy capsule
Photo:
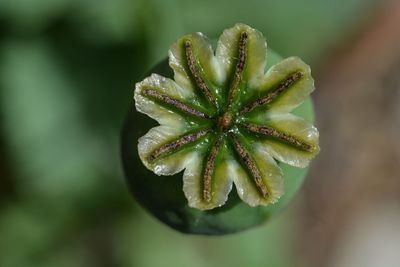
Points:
(219, 141)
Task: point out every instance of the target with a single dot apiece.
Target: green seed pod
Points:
(222, 142)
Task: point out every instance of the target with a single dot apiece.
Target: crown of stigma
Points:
(224, 120)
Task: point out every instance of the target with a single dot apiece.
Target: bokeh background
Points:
(67, 72)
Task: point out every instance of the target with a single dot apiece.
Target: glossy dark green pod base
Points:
(163, 197)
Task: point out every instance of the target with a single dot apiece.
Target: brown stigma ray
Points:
(271, 96)
(209, 168)
(250, 165)
(242, 59)
(176, 144)
(269, 131)
(196, 74)
(174, 102)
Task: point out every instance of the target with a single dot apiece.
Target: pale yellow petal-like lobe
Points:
(203, 55)
(295, 127)
(155, 138)
(193, 183)
(149, 107)
(256, 46)
(272, 177)
(296, 93)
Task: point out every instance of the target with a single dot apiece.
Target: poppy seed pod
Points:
(220, 140)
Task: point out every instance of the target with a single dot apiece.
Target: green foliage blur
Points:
(67, 73)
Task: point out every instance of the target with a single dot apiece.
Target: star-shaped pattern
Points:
(224, 120)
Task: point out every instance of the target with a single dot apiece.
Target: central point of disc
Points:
(225, 121)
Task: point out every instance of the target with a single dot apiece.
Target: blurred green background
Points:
(67, 73)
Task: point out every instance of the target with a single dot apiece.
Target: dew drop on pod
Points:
(219, 138)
